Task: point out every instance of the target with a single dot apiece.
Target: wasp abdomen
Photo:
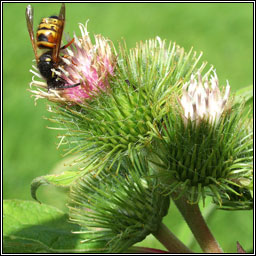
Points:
(47, 32)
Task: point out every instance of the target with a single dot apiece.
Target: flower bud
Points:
(119, 209)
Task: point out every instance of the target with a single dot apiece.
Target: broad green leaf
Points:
(30, 227)
(63, 179)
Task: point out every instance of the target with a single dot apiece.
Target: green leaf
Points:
(63, 179)
(29, 227)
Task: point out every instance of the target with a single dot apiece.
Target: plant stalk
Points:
(170, 241)
(192, 215)
(138, 249)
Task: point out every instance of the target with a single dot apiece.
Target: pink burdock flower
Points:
(83, 62)
(203, 100)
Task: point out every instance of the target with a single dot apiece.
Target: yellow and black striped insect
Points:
(48, 36)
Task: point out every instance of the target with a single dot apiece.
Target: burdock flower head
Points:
(207, 145)
(84, 64)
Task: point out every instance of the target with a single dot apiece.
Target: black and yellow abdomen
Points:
(47, 32)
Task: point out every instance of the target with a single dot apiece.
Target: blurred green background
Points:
(223, 31)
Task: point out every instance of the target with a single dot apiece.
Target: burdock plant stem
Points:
(138, 249)
(170, 241)
(192, 215)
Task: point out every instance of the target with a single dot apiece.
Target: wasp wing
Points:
(29, 17)
(56, 49)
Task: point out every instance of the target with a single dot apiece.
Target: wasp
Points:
(48, 37)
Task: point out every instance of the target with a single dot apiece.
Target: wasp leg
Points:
(69, 86)
(68, 44)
